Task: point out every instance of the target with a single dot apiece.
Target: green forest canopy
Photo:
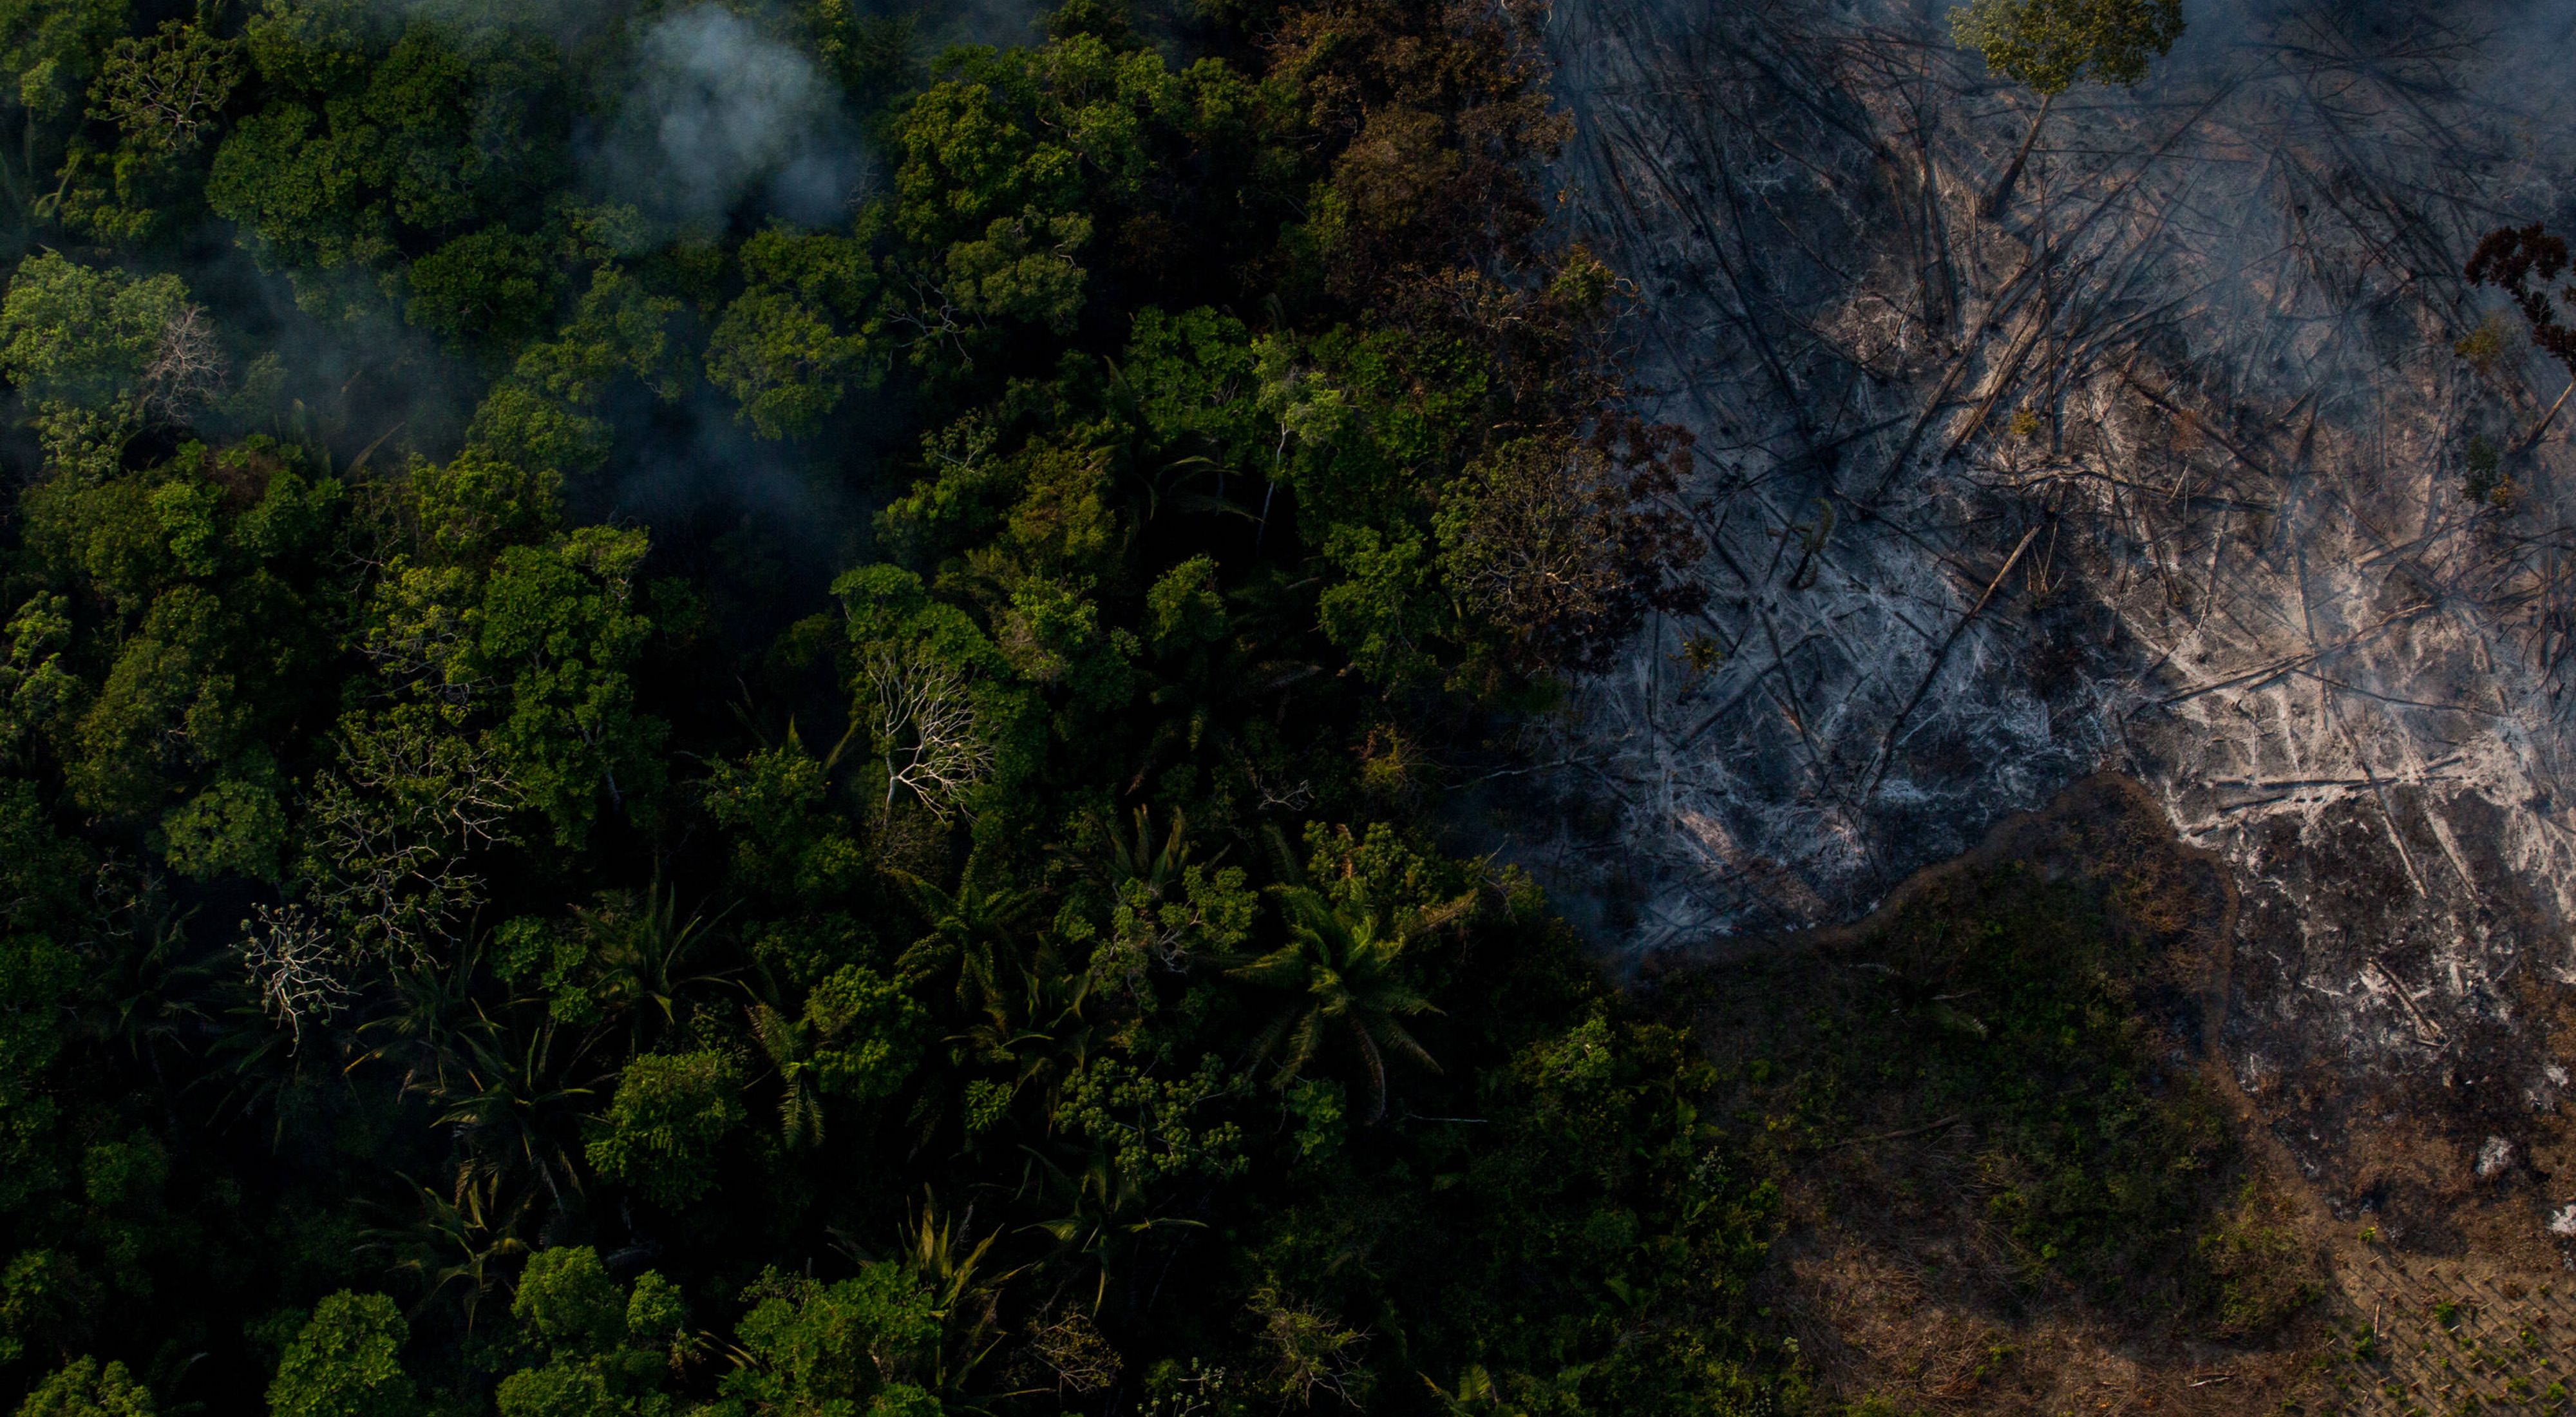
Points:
(731, 711)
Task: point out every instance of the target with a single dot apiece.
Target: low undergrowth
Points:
(2005, 1084)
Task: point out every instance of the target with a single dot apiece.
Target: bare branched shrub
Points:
(1194, 1391)
(934, 319)
(294, 966)
(1073, 1349)
(391, 829)
(187, 368)
(927, 730)
(1312, 1352)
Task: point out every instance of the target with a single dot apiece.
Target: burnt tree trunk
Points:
(1995, 200)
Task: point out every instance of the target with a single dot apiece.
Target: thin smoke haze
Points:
(721, 113)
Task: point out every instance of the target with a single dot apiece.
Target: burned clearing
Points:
(2197, 457)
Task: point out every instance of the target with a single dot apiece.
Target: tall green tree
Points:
(2049, 46)
(95, 353)
(598, 1348)
(82, 1388)
(346, 1362)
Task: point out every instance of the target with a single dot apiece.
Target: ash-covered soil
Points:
(2163, 468)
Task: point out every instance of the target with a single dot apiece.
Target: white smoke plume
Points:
(721, 113)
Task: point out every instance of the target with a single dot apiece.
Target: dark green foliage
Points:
(555, 626)
(85, 348)
(494, 284)
(797, 339)
(347, 1362)
(83, 1389)
(2052, 44)
(2098, 1157)
(596, 1348)
(2011, 1005)
(668, 1118)
(816, 1350)
(442, 131)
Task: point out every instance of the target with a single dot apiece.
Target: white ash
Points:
(2161, 471)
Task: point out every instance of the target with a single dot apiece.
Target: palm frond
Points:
(1407, 1044)
(1286, 967)
(1290, 869)
(1302, 1043)
(1375, 1063)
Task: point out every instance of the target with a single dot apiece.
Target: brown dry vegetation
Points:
(2397, 1280)
(1909, 1270)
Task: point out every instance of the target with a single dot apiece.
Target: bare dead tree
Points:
(1311, 1352)
(187, 368)
(1073, 1348)
(293, 963)
(927, 730)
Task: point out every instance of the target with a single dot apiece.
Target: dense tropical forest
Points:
(756, 710)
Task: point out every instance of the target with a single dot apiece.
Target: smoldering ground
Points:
(2164, 469)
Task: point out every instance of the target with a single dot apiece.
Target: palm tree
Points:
(791, 1041)
(263, 1066)
(974, 932)
(1136, 858)
(515, 1103)
(967, 1299)
(148, 995)
(1100, 1223)
(434, 1009)
(465, 1238)
(1344, 971)
(1045, 1033)
(803, 1048)
(1157, 474)
(641, 951)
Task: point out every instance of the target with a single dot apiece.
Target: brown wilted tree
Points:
(2524, 262)
(1438, 110)
(1547, 540)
